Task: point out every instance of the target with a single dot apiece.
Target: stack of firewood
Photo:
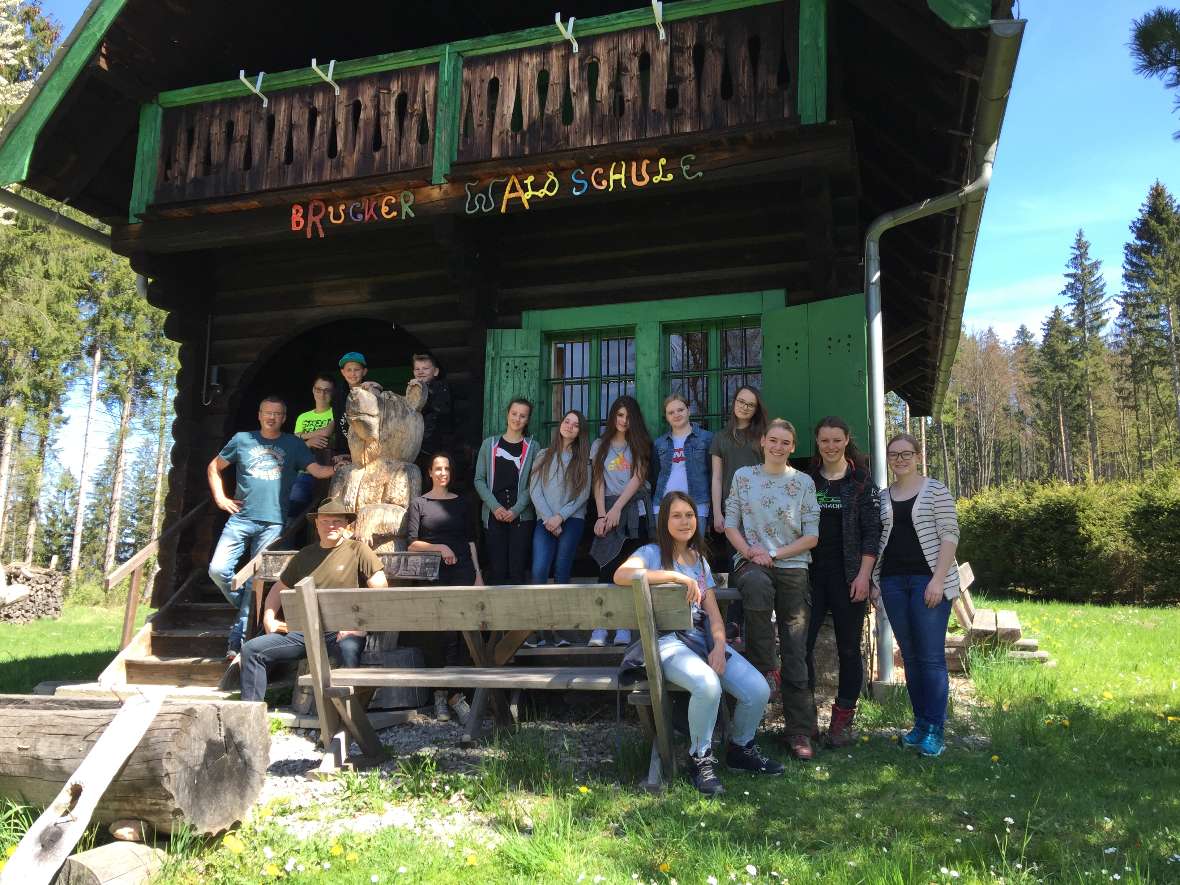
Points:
(43, 599)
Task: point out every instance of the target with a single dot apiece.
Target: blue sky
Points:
(1083, 139)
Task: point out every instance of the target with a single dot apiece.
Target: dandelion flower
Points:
(664, 867)
(352, 857)
(10, 851)
(336, 850)
(233, 843)
(471, 860)
(1065, 723)
(995, 758)
(583, 789)
(1009, 820)
(864, 738)
(272, 870)
(1174, 718)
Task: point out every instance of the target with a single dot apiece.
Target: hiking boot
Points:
(622, 637)
(840, 733)
(800, 746)
(932, 743)
(702, 771)
(748, 757)
(231, 679)
(597, 639)
(442, 710)
(914, 736)
(461, 708)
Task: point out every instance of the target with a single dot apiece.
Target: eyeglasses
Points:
(902, 456)
(322, 389)
(273, 414)
(745, 403)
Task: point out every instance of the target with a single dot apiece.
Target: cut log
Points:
(1007, 626)
(12, 594)
(119, 863)
(201, 763)
(983, 625)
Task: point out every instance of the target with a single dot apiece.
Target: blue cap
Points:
(353, 357)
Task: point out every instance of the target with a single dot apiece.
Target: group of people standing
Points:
(798, 545)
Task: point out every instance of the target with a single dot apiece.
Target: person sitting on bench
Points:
(336, 561)
(698, 660)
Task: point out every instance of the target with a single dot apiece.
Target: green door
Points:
(786, 370)
(512, 368)
(839, 363)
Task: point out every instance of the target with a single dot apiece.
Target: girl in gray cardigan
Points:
(502, 482)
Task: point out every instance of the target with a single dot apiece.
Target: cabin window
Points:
(706, 362)
(586, 372)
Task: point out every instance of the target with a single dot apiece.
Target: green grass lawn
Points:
(77, 646)
(1080, 782)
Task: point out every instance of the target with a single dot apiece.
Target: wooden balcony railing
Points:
(724, 64)
(713, 72)
(378, 125)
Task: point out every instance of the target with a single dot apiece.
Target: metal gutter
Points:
(49, 216)
(994, 87)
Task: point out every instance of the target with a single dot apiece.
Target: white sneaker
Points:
(561, 642)
(622, 637)
(597, 639)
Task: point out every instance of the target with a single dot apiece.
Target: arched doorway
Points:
(289, 370)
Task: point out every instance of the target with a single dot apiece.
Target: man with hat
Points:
(337, 561)
(353, 368)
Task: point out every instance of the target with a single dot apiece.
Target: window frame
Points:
(715, 372)
(594, 379)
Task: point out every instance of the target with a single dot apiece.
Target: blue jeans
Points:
(921, 634)
(239, 533)
(555, 553)
(301, 492)
(684, 667)
(261, 652)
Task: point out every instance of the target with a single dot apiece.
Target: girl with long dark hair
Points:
(842, 563)
(698, 659)
(621, 457)
(502, 482)
(559, 488)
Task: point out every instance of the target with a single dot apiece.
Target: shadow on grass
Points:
(21, 675)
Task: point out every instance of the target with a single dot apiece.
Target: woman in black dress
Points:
(441, 522)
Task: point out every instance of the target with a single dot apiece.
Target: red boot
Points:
(840, 733)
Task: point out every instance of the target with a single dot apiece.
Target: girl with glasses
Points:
(915, 578)
(314, 427)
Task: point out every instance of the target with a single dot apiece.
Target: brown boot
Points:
(840, 733)
(800, 746)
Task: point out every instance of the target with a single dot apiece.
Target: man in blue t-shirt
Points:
(267, 461)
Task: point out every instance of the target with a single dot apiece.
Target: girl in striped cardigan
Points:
(916, 577)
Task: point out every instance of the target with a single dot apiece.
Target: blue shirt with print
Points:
(650, 554)
(266, 470)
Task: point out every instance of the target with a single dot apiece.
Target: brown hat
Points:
(332, 507)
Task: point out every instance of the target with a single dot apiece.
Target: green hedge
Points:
(1106, 542)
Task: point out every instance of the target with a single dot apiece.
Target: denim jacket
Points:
(696, 463)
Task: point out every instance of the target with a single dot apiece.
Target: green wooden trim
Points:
(671, 310)
(813, 61)
(649, 388)
(962, 13)
(539, 36)
(448, 95)
(20, 136)
(143, 185)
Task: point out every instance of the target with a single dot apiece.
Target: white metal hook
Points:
(327, 78)
(657, 8)
(257, 87)
(567, 30)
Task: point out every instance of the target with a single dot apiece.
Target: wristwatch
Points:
(773, 552)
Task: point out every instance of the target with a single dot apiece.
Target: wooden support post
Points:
(131, 608)
(317, 659)
(661, 713)
(54, 834)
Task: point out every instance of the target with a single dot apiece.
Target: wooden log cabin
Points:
(678, 204)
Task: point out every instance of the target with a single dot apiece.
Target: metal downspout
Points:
(995, 83)
(27, 206)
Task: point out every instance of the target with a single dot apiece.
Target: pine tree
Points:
(1055, 386)
(1085, 291)
(55, 536)
(1155, 47)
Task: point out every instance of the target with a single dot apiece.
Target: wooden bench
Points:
(511, 614)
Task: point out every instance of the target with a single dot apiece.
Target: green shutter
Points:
(512, 368)
(839, 363)
(786, 370)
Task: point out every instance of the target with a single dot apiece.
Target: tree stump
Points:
(125, 863)
(201, 763)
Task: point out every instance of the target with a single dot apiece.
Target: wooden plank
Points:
(539, 678)
(966, 576)
(51, 838)
(147, 159)
(661, 713)
(1007, 626)
(812, 78)
(983, 625)
(962, 615)
(968, 602)
(303, 601)
(354, 715)
(529, 607)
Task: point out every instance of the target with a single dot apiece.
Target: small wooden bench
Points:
(511, 614)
